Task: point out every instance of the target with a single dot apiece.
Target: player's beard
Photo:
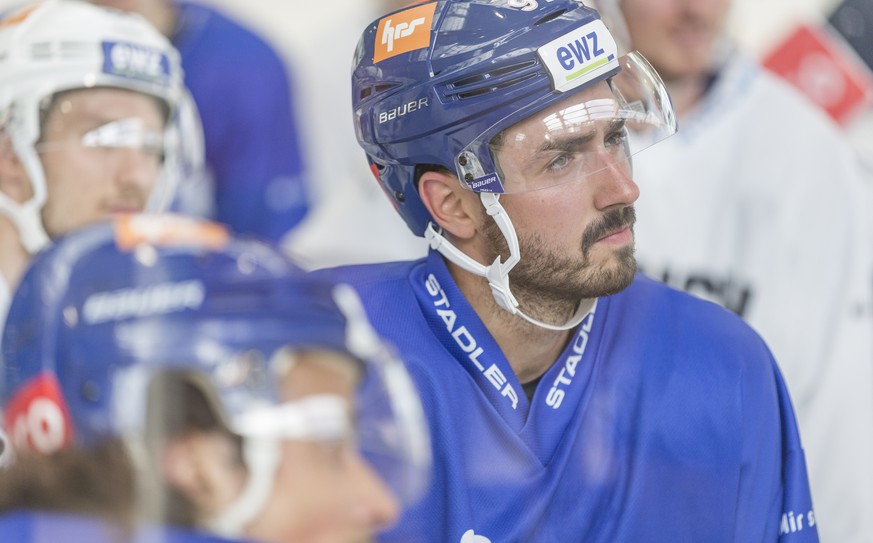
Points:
(547, 279)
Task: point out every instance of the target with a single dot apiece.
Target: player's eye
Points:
(559, 162)
(616, 138)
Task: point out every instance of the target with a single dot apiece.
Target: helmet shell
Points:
(476, 73)
(60, 45)
(158, 293)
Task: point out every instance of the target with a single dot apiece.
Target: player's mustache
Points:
(610, 222)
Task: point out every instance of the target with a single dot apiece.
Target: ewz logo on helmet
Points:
(579, 56)
(137, 62)
(582, 49)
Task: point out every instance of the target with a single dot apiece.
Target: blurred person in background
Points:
(165, 381)
(89, 124)
(248, 109)
(758, 203)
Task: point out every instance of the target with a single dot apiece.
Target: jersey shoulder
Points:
(663, 311)
(369, 277)
(28, 526)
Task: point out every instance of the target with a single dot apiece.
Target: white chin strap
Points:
(262, 459)
(26, 216)
(497, 273)
(27, 220)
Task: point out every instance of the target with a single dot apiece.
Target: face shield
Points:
(105, 142)
(350, 418)
(598, 127)
(118, 131)
(316, 410)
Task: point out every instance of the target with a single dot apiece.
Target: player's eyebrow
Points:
(578, 140)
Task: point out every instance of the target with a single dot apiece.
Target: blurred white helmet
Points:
(61, 45)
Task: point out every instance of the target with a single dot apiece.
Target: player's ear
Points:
(453, 207)
(199, 466)
(14, 181)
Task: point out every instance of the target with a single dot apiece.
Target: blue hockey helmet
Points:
(104, 313)
(434, 83)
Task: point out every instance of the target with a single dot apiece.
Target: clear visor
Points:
(323, 413)
(129, 133)
(369, 411)
(591, 130)
(134, 138)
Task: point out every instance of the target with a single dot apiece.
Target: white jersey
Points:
(757, 203)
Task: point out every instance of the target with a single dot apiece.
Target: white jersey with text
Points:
(757, 203)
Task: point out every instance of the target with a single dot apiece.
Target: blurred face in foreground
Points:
(325, 491)
(322, 489)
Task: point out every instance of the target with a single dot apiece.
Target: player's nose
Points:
(375, 506)
(136, 169)
(614, 185)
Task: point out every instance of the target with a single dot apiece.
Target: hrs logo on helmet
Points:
(135, 61)
(403, 32)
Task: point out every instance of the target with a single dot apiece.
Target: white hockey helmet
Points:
(60, 45)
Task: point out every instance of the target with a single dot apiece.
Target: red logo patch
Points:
(37, 417)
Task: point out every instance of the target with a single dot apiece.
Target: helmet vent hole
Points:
(550, 17)
(62, 50)
(377, 89)
(496, 79)
(41, 51)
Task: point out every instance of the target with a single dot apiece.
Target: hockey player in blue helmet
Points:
(569, 399)
(163, 381)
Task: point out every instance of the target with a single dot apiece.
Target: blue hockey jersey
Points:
(665, 420)
(42, 527)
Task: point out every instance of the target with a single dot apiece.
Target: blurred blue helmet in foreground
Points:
(111, 309)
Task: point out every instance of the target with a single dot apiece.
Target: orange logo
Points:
(17, 17)
(168, 230)
(403, 32)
